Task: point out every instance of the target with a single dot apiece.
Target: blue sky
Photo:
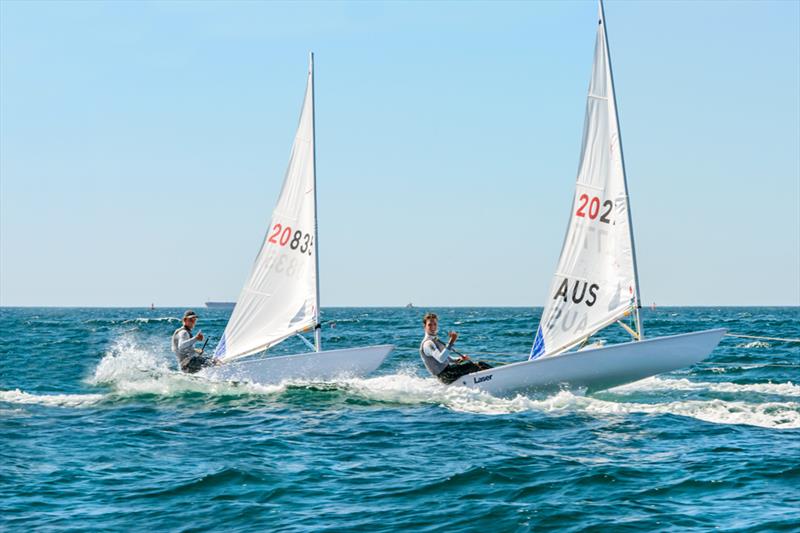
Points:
(142, 147)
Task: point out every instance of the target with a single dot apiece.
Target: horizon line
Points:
(419, 307)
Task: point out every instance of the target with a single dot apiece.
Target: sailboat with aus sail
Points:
(281, 297)
(596, 281)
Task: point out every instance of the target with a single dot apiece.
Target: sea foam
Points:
(56, 400)
(406, 388)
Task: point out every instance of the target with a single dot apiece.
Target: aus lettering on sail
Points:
(568, 312)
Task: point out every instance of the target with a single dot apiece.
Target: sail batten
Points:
(595, 281)
(281, 296)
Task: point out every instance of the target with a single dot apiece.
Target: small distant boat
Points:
(221, 305)
(281, 297)
(596, 282)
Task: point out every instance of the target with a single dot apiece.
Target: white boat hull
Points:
(599, 368)
(313, 366)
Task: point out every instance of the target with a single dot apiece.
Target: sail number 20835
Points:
(297, 240)
(590, 206)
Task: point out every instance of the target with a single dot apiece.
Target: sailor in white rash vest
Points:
(190, 359)
(436, 355)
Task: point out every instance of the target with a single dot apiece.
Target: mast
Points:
(317, 329)
(637, 299)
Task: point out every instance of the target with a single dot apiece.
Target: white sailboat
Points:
(281, 297)
(596, 282)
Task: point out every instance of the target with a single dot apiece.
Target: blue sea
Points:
(98, 431)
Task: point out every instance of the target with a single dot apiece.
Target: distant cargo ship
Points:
(223, 305)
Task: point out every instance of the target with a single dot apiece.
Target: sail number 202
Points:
(297, 240)
(590, 206)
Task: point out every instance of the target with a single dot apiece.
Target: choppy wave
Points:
(409, 389)
(129, 369)
(667, 384)
(136, 320)
(152, 320)
(403, 389)
(754, 344)
(136, 438)
(56, 400)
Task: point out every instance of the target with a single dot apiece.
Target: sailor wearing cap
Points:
(190, 359)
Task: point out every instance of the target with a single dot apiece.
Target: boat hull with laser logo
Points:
(597, 368)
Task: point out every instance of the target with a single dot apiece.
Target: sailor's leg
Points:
(453, 372)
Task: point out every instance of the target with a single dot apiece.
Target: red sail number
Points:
(593, 210)
(301, 241)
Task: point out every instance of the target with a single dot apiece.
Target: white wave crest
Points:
(663, 384)
(130, 369)
(411, 389)
(149, 320)
(408, 388)
(769, 415)
(56, 400)
(754, 344)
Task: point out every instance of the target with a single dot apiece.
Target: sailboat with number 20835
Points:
(281, 297)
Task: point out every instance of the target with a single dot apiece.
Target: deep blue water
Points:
(98, 431)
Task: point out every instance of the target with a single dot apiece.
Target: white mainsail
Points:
(281, 295)
(595, 282)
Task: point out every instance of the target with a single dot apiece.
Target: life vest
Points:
(175, 337)
(433, 366)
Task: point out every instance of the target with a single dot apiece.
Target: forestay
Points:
(280, 297)
(595, 281)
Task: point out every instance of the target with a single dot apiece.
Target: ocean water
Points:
(99, 431)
